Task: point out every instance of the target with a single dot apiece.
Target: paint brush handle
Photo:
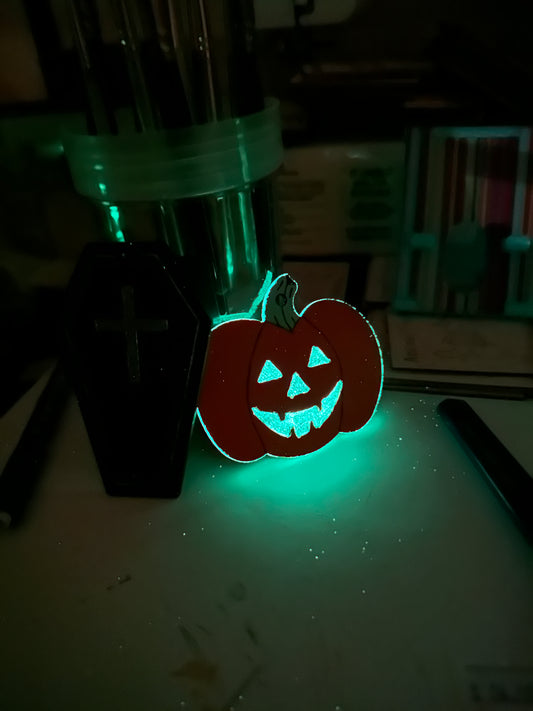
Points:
(24, 467)
(506, 475)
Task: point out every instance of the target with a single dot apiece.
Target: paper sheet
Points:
(461, 345)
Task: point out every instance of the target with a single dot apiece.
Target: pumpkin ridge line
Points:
(248, 380)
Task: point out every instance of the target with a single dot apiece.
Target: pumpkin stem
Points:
(279, 305)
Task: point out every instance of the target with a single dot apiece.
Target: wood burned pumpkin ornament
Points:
(288, 384)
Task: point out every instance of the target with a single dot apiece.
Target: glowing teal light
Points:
(269, 372)
(297, 386)
(248, 230)
(218, 320)
(228, 232)
(52, 149)
(297, 484)
(317, 357)
(102, 187)
(114, 214)
(301, 420)
(263, 291)
(229, 258)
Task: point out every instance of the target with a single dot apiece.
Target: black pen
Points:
(21, 473)
(508, 478)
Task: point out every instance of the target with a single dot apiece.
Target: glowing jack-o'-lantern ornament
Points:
(288, 384)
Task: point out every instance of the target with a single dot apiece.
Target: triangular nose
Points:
(297, 386)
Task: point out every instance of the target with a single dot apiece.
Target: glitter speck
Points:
(183, 534)
(363, 591)
(400, 438)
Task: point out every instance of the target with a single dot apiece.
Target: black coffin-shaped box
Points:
(136, 340)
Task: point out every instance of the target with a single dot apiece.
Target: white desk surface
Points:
(380, 573)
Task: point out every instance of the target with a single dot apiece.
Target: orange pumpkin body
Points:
(305, 404)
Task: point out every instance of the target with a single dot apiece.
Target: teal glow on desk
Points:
(378, 573)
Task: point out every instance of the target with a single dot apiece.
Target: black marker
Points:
(508, 478)
(21, 473)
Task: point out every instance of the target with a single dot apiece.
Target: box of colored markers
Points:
(467, 240)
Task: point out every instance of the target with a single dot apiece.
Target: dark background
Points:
(390, 66)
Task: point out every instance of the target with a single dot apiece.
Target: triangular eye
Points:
(269, 372)
(317, 357)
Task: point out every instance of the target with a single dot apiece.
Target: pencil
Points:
(24, 467)
(508, 478)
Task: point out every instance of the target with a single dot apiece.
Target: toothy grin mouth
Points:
(301, 420)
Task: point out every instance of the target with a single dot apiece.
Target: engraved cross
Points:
(131, 326)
